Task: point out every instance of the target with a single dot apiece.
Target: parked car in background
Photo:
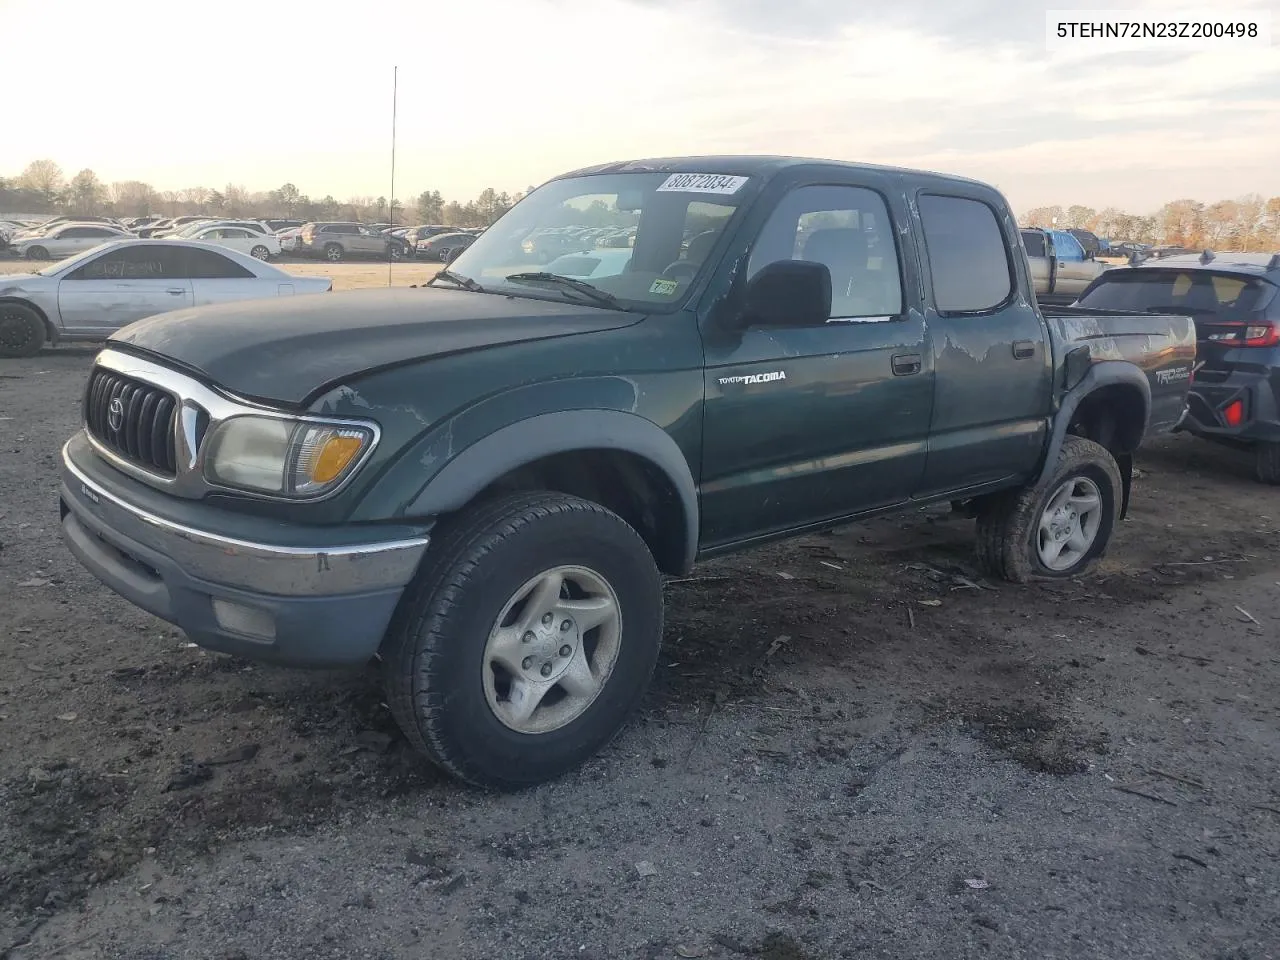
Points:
(442, 245)
(174, 223)
(277, 225)
(90, 296)
(289, 239)
(1162, 251)
(1126, 248)
(1087, 240)
(191, 229)
(67, 239)
(341, 240)
(1075, 268)
(1234, 299)
(260, 246)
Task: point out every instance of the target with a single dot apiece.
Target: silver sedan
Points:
(90, 296)
(66, 239)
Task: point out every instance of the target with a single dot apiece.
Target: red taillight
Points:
(1261, 335)
(1233, 413)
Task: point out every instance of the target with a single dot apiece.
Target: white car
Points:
(289, 239)
(91, 296)
(261, 246)
(65, 240)
(589, 264)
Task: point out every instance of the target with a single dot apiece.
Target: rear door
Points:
(993, 369)
(218, 279)
(125, 284)
(1075, 270)
(370, 241)
(809, 424)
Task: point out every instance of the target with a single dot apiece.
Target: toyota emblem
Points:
(115, 415)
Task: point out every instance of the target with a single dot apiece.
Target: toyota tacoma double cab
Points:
(479, 483)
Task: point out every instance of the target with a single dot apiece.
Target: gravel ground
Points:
(854, 747)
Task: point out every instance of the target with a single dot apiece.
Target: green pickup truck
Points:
(480, 482)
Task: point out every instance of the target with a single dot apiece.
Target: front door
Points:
(807, 425)
(990, 347)
(123, 285)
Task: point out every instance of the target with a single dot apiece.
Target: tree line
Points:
(42, 187)
(1246, 224)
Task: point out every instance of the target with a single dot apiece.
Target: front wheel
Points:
(1059, 528)
(22, 332)
(527, 640)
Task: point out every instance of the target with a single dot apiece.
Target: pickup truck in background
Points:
(481, 482)
(1060, 267)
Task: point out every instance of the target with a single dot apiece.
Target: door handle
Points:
(176, 291)
(906, 364)
(1022, 349)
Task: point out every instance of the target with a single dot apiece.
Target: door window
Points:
(144, 261)
(968, 257)
(848, 229)
(207, 265)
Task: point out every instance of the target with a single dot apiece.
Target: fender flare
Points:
(525, 441)
(1106, 373)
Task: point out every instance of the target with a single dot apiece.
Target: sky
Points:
(507, 93)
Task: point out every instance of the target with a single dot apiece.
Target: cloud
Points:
(510, 92)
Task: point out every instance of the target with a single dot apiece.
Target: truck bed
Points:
(1162, 345)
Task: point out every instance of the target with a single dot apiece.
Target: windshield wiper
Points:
(466, 283)
(569, 283)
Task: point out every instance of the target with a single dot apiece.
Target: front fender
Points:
(472, 469)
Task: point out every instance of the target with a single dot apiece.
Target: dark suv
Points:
(338, 241)
(1234, 300)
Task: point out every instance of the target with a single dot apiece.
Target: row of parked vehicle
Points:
(263, 239)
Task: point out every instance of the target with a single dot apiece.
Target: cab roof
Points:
(750, 166)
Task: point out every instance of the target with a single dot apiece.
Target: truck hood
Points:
(286, 349)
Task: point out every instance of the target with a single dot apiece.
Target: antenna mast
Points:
(395, 77)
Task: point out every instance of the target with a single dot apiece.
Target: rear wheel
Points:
(527, 640)
(1059, 528)
(1266, 462)
(37, 253)
(395, 251)
(333, 252)
(260, 253)
(22, 332)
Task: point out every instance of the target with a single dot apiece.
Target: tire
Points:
(1266, 462)
(395, 251)
(442, 679)
(260, 253)
(1009, 534)
(37, 253)
(22, 332)
(333, 252)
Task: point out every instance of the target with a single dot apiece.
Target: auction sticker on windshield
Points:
(701, 183)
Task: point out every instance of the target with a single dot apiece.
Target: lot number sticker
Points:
(664, 287)
(701, 183)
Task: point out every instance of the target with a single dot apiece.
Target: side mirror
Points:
(788, 293)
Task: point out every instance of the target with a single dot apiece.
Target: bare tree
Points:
(86, 193)
(43, 178)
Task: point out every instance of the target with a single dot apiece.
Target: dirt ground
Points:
(854, 747)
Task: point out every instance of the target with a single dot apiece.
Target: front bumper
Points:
(1209, 399)
(303, 596)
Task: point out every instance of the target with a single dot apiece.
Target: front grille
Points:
(145, 433)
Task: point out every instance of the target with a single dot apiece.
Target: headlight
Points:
(292, 458)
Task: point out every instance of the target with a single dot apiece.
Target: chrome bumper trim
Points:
(259, 567)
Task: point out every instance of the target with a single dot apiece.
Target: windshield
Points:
(1142, 289)
(666, 223)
